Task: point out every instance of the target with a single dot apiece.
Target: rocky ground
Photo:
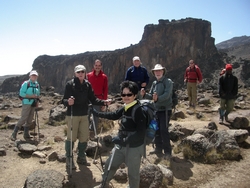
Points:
(15, 166)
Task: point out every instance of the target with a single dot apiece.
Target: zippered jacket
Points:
(29, 88)
(228, 86)
(133, 132)
(163, 88)
(138, 75)
(83, 94)
(99, 84)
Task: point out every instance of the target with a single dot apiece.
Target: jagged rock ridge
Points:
(171, 43)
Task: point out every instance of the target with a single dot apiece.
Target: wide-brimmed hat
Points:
(158, 67)
(80, 68)
(33, 72)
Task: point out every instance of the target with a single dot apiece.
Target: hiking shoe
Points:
(82, 161)
(68, 164)
(100, 186)
(167, 156)
(13, 138)
(27, 137)
(220, 121)
(156, 151)
(226, 118)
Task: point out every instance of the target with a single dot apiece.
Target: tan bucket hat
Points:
(158, 67)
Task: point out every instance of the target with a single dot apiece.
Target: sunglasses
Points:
(128, 94)
(78, 72)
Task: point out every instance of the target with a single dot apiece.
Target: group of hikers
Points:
(92, 88)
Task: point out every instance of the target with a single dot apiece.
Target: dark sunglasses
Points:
(128, 95)
(78, 72)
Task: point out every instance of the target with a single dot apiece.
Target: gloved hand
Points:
(92, 110)
(117, 140)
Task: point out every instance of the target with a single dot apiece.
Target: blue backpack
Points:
(150, 112)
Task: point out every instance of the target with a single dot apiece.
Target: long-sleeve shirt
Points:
(164, 89)
(29, 88)
(132, 130)
(138, 75)
(228, 86)
(83, 94)
(99, 84)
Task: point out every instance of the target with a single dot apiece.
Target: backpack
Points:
(149, 110)
(174, 98)
(28, 85)
(195, 66)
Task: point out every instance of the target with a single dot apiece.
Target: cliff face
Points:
(171, 44)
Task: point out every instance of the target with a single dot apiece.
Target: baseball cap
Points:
(33, 72)
(136, 58)
(80, 68)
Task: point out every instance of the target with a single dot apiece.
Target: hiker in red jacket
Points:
(192, 77)
(99, 83)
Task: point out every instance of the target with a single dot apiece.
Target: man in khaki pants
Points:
(77, 95)
(192, 77)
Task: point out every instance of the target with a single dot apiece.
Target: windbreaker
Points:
(228, 86)
(29, 88)
(83, 94)
(138, 75)
(99, 84)
(163, 88)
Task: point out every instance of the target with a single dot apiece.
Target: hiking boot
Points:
(106, 186)
(68, 164)
(220, 121)
(156, 151)
(82, 161)
(13, 135)
(167, 156)
(26, 134)
(226, 118)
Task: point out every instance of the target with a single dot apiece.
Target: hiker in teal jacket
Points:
(161, 93)
(29, 92)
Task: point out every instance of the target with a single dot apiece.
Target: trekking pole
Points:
(110, 162)
(93, 123)
(71, 145)
(38, 127)
(98, 139)
(99, 152)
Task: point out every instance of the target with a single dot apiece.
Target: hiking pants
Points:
(227, 105)
(132, 158)
(80, 128)
(27, 115)
(192, 92)
(162, 137)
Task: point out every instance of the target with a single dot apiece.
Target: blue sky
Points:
(29, 28)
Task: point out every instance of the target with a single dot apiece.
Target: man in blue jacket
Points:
(137, 73)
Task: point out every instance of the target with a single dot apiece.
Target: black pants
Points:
(162, 138)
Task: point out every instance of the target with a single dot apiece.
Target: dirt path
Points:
(15, 167)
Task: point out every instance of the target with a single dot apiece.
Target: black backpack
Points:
(150, 112)
(174, 98)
